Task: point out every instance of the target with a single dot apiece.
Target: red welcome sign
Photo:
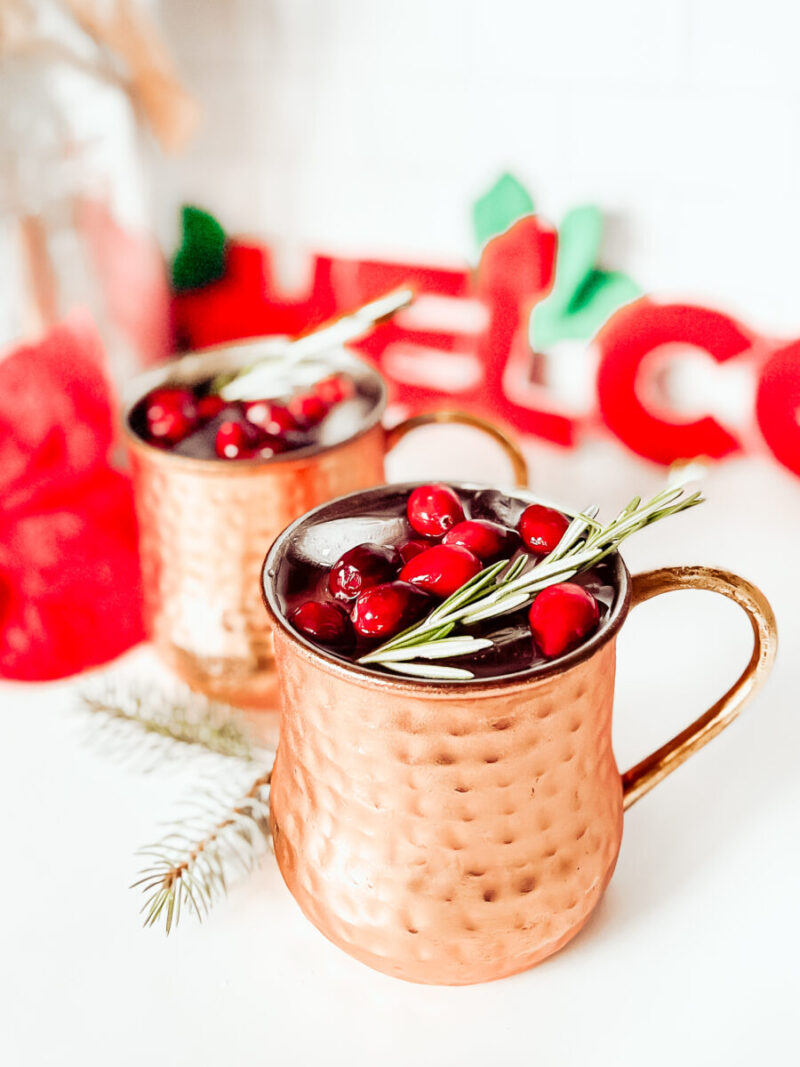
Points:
(467, 340)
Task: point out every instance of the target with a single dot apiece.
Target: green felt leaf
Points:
(506, 201)
(579, 237)
(584, 295)
(200, 259)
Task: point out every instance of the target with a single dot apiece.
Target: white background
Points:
(370, 126)
(691, 957)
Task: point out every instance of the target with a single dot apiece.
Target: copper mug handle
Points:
(647, 773)
(511, 449)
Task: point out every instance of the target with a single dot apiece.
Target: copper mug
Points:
(204, 526)
(453, 833)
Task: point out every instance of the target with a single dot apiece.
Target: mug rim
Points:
(440, 687)
(195, 360)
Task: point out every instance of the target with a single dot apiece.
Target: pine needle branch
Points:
(191, 866)
(136, 720)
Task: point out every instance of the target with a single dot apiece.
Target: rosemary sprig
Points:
(297, 362)
(136, 720)
(192, 864)
(507, 586)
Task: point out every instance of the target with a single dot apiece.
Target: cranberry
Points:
(561, 616)
(434, 509)
(269, 446)
(334, 390)
(308, 409)
(237, 440)
(385, 610)
(412, 548)
(442, 569)
(209, 406)
(487, 540)
(171, 414)
(361, 568)
(274, 418)
(542, 528)
(326, 623)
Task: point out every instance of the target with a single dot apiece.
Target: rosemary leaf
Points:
(424, 670)
(500, 607)
(516, 568)
(438, 649)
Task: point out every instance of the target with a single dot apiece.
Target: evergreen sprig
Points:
(142, 721)
(192, 864)
(222, 835)
(507, 586)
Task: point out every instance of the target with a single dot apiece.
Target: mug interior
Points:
(367, 502)
(200, 366)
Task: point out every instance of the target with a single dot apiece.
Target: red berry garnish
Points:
(542, 528)
(362, 567)
(237, 440)
(487, 540)
(334, 390)
(434, 509)
(209, 406)
(412, 548)
(273, 418)
(308, 409)
(269, 446)
(326, 623)
(561, 617)
(385, 610)
(171, 414)
(442, 569)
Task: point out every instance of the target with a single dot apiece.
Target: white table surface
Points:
(691, 958)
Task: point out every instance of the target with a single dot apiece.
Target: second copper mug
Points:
(457, 832)
(205, 524)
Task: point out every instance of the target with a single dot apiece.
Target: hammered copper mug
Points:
(205, 524)
(459, 832)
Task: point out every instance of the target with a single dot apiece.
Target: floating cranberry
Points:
(434, 509)
(209, 406)
(361, 568)
(308, 409)
(542, 528)
(561, 617)
(326, 623)
(237, 440)
(489, 541)
(385, 610)
(269, 446)
(273, 418)
(442, 569)
(334, 390)
(412, 548)
(171, 414)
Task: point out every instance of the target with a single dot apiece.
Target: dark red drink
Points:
(413, 586)
(195, 420)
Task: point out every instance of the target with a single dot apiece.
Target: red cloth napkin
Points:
(70, 588)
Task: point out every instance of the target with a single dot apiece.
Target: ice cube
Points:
(344, 420)
(497, 507)
(511, 648)
(323, 543)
